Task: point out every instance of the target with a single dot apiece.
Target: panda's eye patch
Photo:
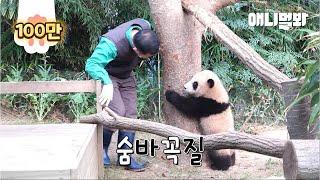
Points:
(195, 85)
(210, 83)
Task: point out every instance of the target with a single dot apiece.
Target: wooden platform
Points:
(56, 151)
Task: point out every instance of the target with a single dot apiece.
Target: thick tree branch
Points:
(232, 140)
(235, 44)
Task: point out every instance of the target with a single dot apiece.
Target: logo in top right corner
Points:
(284, 20)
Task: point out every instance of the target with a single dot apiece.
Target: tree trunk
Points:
(180, 38)
(298, 116)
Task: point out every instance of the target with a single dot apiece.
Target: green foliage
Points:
(79, 105)
(130, 9)
(144, 96)
(147, 92)
(9, 8)
(44, 74)
(15, 74)
(285, 61)
(41, 104)
(314, 42)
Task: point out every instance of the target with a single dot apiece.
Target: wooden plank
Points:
(86, 166)
(99, 134)
(47, 174)
(98, 88)
(47, 86)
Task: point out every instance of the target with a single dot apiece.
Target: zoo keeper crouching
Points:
(112, 62)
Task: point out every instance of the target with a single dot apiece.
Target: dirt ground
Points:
(248, 165)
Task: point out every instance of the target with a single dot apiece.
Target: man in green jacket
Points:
(112, 62)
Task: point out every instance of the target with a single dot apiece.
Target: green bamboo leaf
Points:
(315, 99)
(312, 85)
(315, 41)
(308, 62)
(315, 113)
(11, 10)
(77, 98)
(312, 69)
(4, 7)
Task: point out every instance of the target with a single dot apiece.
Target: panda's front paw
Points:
(171, 96)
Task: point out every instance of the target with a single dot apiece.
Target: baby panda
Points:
(207, 100)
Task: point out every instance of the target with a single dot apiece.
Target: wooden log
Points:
(301, 159)
(231, 140)
(240, 48)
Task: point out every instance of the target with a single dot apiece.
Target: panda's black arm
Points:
(196, 107)
(187, 105)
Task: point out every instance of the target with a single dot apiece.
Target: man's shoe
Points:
(135, 166)
(107, 135)
(106, 159)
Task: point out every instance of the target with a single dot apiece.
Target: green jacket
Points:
(104, 53)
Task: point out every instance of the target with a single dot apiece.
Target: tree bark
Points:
(298, 115)
(301, 159)
(245, 53)
(180, 39)
(232, 140)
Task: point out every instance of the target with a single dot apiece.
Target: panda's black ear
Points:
(210, 83)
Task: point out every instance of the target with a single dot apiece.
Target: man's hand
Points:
(106, 95)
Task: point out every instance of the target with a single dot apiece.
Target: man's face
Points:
(141, 55)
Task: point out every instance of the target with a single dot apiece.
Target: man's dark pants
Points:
(124, 103)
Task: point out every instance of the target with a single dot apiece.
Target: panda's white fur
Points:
(208, 100)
